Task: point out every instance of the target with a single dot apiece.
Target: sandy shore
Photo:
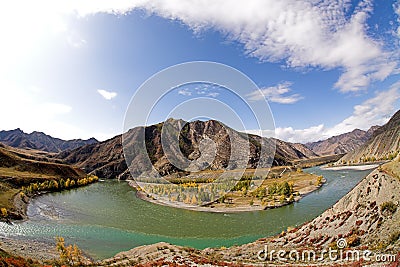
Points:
(352, 167)
(142, 195)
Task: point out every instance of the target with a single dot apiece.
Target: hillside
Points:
(343, 143)
(40, 141)
(17, 170)
(384, 144)
(21, 171)
(106, 159)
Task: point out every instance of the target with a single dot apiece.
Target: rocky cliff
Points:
(201, 144)
(384, 144)
(343, 143)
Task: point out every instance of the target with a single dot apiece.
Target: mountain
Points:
(40, 141)
(198, 142)
(383, 144)
(343, 143)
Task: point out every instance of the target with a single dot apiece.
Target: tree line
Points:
(54, 185)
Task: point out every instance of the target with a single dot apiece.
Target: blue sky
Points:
(70, 68)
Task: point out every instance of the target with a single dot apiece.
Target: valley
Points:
(287, 198)
(102, 230)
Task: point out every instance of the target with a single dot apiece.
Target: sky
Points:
(70, 68)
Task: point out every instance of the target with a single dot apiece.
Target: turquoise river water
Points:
(107, 217)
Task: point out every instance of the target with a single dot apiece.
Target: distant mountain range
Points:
(383, 144)
(342, 144)
(40, 141)
(106, 159)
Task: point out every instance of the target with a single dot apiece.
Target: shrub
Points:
(388, 206)
(251, 202)
(394, 237)
(319, 180)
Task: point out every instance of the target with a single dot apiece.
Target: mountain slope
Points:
(343, 143)
(40, 141)
(21, 171)
(106, 159)
(384, 143)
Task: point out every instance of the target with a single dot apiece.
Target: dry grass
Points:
(7, 194)
(13, 172)
(393, 167)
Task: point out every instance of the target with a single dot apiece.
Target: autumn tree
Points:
(4, 212)
(70, 255)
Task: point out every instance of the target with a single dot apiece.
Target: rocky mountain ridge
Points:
(343, 143)
(384, 144)
(106, 159)
(40, 141)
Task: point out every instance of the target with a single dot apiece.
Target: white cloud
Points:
(75, 41)
(26, 108)
(276, 94)
(396, 8)
(303, 33)
(374, 111)
(202, 90)
(289, 134)
(184, 92)
(108, 95)
(213, 94)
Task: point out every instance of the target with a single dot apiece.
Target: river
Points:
(107, 217)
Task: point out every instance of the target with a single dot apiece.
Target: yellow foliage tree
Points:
(4, 212)
(70, 255)
(194, 200)
(319, 181)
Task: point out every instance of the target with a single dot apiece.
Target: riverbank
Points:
(17, 198)
(29, 248)
(301, 184)
(352, 167)
(136, 222)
